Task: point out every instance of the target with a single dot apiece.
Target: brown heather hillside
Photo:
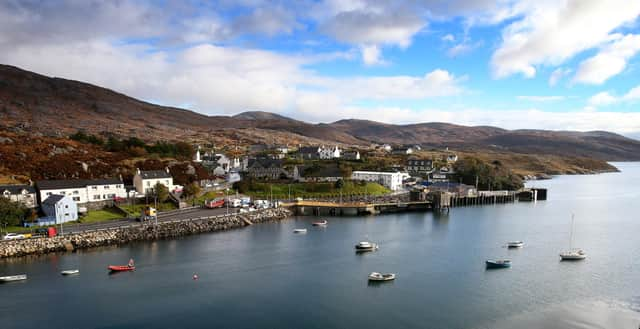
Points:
(37, 106)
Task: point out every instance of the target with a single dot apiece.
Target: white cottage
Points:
(391, 180)
(146, 180)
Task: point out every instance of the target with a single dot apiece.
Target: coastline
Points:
(137, 232)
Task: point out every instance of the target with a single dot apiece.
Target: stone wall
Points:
(136, 232)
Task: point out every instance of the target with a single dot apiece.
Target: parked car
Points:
(13, 236)
(42, 231)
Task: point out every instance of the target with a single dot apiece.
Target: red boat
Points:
(121, 268)
(215, 203)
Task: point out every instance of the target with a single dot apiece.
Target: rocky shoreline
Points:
(137, 232)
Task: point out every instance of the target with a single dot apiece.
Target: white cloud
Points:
(557, 75)
(550, 32)
(541, 98)
(370, 24)
(602, 98)
(463, 47)
(448, 38)
(610, 61)
(371, 55)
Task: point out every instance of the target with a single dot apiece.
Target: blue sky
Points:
(562, 64)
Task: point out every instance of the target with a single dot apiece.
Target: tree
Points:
(161, 192)
(339, 184)
(184, 150)
(12, 213)
(191, 190)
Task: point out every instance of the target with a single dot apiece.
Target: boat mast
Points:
(571, 234)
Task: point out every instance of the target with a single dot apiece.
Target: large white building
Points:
(83, 191)
(146, 180)
(390, 180)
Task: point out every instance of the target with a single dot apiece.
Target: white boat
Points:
(366, 246)
(13, 278)
(69, 272)
(300, 230)
(375, 276)
(572, 253)
(515, 244)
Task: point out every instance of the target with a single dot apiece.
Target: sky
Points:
(559, 64)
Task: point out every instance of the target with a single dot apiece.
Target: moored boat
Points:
(300, 230)
(574, 254)
(515, 244)
(10, 278)
(320, 223)
(70, 272)
(498, 263)
(366, 246)
(123, 268)
(375, 276)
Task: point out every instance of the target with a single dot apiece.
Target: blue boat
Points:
(499, 263)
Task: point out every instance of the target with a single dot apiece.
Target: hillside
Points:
(35, 104)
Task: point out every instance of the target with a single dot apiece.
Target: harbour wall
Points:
(137, 232)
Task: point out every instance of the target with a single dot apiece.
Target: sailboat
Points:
(572, 253)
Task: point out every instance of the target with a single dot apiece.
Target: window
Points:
(63, 193)
(148, 183)
(118, 186)
(49, 193)
(76, 198)
(66, 215)
(96, 197)
(66, 206)
(106, 187)
(94, 187)
(75, 192)
(167, 181)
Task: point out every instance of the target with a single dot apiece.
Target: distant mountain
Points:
(34, 103)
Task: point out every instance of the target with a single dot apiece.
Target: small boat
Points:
(498, 263)
(515, 244)
(375, 276)
(366, 246)
(69, 272)
(300, 230)
(123, 268)
(11, 278)
(320, 223)
(574, 254)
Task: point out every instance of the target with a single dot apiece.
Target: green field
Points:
(313, 190)
(95, 216)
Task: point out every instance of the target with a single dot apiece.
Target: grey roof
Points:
(265, 163)
(308, 150)
(154, 174)
(323, 171)
(53, 199)
(17, 189)
(74, 183)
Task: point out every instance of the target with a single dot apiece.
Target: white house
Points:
(24, 194)
(351, 155)
(60, 209)
(327, 153)
(83, 191)
(391, 180)
(146, 180)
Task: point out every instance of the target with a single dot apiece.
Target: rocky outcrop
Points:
(137, 232)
